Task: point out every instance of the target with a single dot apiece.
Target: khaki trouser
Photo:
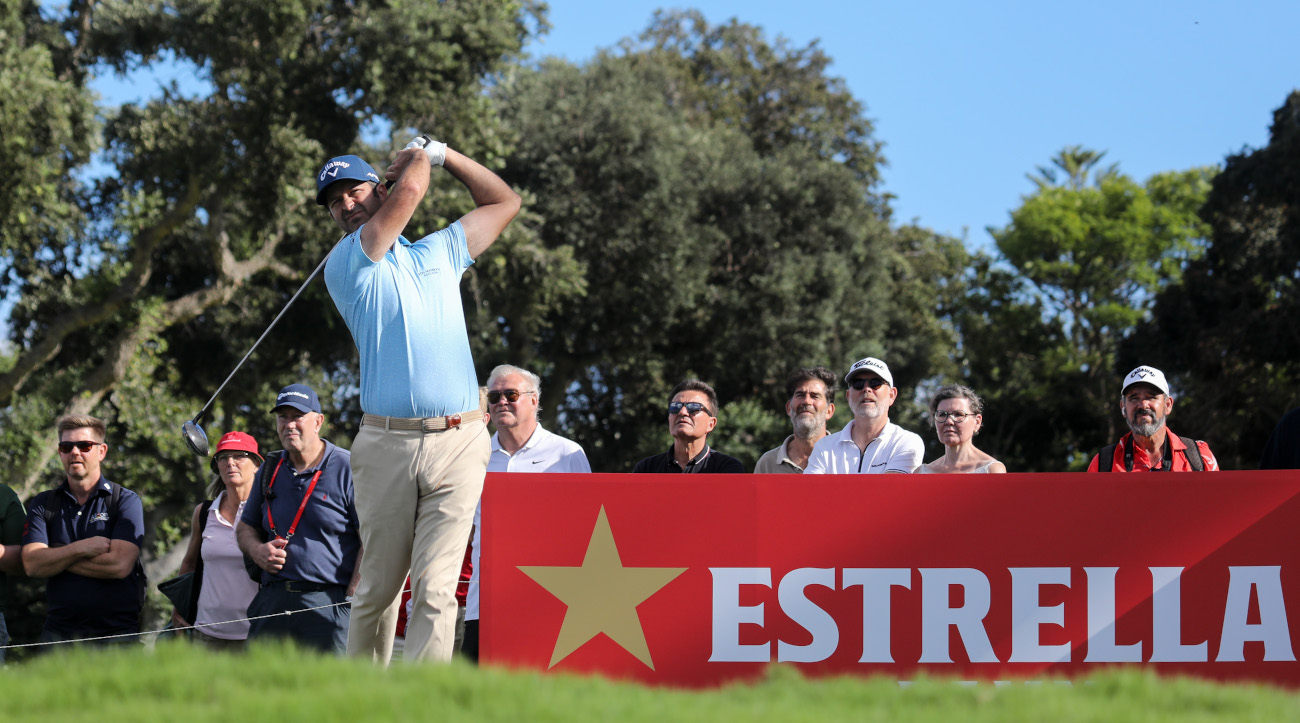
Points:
(415, 493)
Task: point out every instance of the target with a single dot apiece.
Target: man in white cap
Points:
(1149, 447)
(869, 443)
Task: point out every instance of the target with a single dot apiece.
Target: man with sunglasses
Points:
(519, 444)
(85, 537)
(422, 450)
(869, 443)
(692, 414)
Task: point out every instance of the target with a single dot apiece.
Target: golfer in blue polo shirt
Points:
(300, 526)
(422, 451)
(85, 536)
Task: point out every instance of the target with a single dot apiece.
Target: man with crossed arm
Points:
(85, 537)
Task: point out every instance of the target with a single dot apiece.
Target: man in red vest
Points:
(1150, 446)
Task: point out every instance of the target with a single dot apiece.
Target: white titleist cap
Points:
(1146, 375)
(870, 364)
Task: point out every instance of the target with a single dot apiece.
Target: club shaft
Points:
(292, 299)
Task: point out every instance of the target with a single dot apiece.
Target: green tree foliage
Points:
(1078, 268)
(1228, 335)
(717, 192)
(139, 282)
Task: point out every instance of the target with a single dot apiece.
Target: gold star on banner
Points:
(602, 596)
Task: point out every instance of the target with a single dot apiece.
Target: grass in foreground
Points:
(178, 682)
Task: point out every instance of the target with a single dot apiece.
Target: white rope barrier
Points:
(184, 628)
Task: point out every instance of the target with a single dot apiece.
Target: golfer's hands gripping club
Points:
(435, 150)
(422, 146)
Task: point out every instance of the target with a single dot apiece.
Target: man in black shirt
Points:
(692, 414)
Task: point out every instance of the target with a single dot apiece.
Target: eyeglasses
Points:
(233, 455)
(692, 408)
(83, 445)
(956, 417)
(511, 395)
(873, 382)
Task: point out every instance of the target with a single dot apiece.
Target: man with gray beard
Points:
(811, 402)
(1149, 446)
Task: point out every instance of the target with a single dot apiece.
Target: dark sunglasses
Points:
(693, 408)
(83, 445)
(873, 382)
(234, 455)
(511, 395)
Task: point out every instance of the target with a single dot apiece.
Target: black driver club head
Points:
(195, 438)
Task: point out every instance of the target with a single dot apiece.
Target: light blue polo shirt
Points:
(406, 318)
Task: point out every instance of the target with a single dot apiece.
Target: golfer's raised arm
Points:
(410, 174)
(495, 202)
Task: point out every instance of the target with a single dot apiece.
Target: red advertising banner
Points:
(697, 580)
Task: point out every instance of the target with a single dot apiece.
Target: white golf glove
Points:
(434, 150)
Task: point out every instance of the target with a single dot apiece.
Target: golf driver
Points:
(195, 438)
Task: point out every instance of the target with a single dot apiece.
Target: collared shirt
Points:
(777, 461)
(77, 603)
(543, 452)
(325, 545)
(708, 461)
(893, 450)
(405, 314)
(226, 590)
(1175, 456)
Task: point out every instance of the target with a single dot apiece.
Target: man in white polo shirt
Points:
(869, 443)
(519, 445)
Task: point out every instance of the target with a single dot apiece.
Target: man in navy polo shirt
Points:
(303, 531)
(91, 545)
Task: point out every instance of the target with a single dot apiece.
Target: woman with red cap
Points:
(224, 587)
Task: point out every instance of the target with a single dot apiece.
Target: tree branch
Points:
(95, 311)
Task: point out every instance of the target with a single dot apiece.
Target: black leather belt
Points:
(298, 586)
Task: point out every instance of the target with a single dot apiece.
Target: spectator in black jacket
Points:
(692, 414)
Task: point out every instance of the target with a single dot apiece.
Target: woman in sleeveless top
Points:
(956, 411)
(226, 588)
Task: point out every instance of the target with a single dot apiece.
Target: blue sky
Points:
(969, 97)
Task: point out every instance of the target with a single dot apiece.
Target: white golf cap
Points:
(870, 364)
(1146, 375)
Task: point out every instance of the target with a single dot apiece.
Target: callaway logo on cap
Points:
(1146, 375)
(343, 168)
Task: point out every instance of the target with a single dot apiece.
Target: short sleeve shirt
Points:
(406, 317)
(324, 547)
(894, 450)
(80, 604)
(777, 461)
